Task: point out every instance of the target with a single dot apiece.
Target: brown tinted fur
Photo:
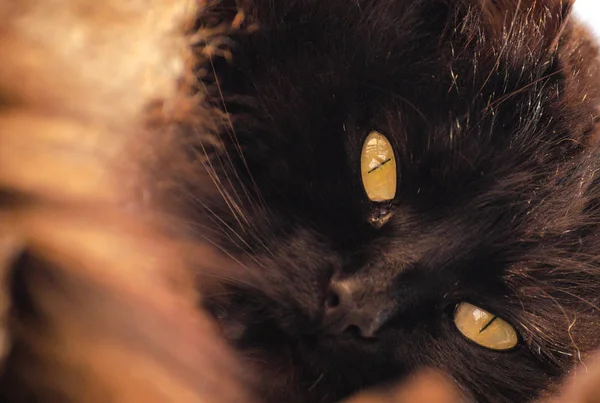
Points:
(100, 308)
(98, 303)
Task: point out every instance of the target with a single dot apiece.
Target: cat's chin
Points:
(313, 368)
(295, 341)
(294, 352)
(337, 366)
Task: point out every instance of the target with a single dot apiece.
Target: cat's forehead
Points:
(434, 59)
(459, 97)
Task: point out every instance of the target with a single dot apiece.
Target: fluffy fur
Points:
(492, 109)
(151, 147)
(98, 302)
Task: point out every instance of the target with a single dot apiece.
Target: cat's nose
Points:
(348, 307)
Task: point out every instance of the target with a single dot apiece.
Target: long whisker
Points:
(220, 221)
(232, 133)
(215, 230)
(231, 165)
(234, 207)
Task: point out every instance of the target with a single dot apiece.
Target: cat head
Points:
(486, 199)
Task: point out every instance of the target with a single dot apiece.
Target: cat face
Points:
(361, 266)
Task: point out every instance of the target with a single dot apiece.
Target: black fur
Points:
(492, 108)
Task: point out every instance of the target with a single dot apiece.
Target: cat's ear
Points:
(535, 24)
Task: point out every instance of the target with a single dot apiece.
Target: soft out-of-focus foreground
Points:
(98, 303)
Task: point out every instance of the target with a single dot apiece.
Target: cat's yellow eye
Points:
(484, 328)
(378, 168)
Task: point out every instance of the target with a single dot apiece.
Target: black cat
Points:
(406, 183)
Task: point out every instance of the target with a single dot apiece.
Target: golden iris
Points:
(378, 168)
(484, 328)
